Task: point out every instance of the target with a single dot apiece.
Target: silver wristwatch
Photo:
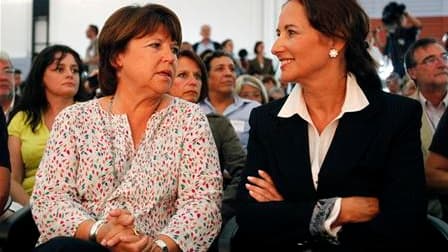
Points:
(162, 245)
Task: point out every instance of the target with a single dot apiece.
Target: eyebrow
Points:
(433, 55)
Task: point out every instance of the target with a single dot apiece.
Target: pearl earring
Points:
(333, 53)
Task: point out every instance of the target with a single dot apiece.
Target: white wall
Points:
(245, 21)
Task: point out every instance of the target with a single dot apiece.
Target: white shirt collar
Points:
(355, 100)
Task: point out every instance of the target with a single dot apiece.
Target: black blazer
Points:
(375, 152)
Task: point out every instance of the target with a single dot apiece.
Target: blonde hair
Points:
(246, 79)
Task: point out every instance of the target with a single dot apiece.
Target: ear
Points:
(412, 73)
(117, 61)
(337, 44)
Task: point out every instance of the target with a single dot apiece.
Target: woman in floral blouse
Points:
(136, 170)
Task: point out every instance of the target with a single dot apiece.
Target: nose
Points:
(276, 47)
(169, 56)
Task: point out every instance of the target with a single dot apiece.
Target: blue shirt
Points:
(238, 113)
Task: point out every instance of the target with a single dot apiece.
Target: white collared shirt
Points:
(434, 113)
(355, 100)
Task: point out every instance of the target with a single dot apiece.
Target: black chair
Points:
(18, 232)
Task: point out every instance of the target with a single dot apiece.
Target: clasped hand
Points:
(119, 233)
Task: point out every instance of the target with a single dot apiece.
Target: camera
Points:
(392, 14)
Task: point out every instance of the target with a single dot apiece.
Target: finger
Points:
(264, 184)
(266, 194)
(116, 212)
(265, 176)
(116, 238)
(125, 219)
(258, 182)
(258, 197)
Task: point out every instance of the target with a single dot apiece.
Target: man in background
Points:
(206, 43)
(91, 58)
(427, 65)
(7, 94)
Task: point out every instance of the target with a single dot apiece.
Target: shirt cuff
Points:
(325, 210)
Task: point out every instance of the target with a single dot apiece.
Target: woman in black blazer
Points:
(336, 166)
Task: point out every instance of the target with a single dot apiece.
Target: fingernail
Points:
(103, 242)
(260, 172)
(247, 185)
(250, 178)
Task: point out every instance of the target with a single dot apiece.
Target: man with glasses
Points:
(426, 62)
(7, 96)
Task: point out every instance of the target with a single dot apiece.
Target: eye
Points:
(182, 75)
(75, 70)
(155, 45)
(59, 69)
(291, 32)
(175, 50)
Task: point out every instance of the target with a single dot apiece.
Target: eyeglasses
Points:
(7, 71)
(433, 59)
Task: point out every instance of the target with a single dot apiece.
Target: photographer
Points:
(402, 30)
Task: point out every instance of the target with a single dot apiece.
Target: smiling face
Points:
(148, 63)
(61, 77)
(187, 82)
(301, 49)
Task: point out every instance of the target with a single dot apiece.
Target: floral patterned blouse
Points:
(172, 183)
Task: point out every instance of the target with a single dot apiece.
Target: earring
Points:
(333, 53)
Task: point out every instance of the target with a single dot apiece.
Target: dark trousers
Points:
(69, 244)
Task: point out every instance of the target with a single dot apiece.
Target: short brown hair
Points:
(125, 24)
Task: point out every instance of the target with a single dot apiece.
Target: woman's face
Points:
(251, 93)
(302, 50)
(61, 77)
(148, 63)
(187, 81)
(228, 48)
(221, 77)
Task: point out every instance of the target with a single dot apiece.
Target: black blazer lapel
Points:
(355, 132)
(291, 135)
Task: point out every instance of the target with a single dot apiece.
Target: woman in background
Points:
(52, 85)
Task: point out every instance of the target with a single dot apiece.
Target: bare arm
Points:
(412, 21)
(4, 186)
(18, 193)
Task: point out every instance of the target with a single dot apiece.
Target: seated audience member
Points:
(276, 93)
(136, 170)
(260, 65)
(244, 62)
(52, 84)
(427, 65)
(437, 162)
(206, 43)
(337, 165)
(190, 83)
(251, 88)
(7, 93)
(221, 97)
(393, 85)
(269, 82)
